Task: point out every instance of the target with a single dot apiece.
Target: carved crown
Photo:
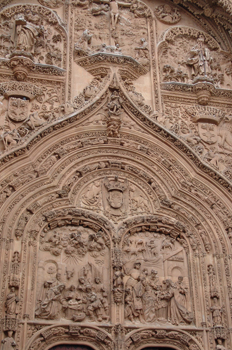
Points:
(207, 118)
(115, 185)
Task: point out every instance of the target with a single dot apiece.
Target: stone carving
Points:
(97, 211)
(220, 345)
(14, 279)
(69, 273)
(8, 343)
(118, 284)
(142, 54)
(200, 60)
(35, 45)
(111, 49)
(114, 197)
(21, 66)
(10, 139)
(71, 332)
(24, 116)
(229, 233)
(114, 13)
(24, 35)
(84, 295)
(136, 97)
(18, 109)
(102, 39)
(172, 74)
(11, 303)
(52, 303)
(205, 240)
(205, 129)
(167, 14)
(114, 111)
(213, 282)
(216, 310)
(83, 45)
(53, 4)
(90, 92)
(31, 35)
(74, 242)
(100, 9)
(149, 296)
(139, 9)
(89, 299)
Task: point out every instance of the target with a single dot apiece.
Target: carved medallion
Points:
(18, 109)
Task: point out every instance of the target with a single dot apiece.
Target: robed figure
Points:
(24, 35)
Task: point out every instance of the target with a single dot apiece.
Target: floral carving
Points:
(115, 175)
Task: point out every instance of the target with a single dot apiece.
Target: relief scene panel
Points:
(156, 279)
(73, 277)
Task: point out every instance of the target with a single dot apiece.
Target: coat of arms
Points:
(208, 132)
(18, 109)
(115, 196)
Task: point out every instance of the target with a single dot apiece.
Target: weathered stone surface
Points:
(116, 174)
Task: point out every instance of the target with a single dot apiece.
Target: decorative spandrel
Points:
(156, 279)
(73, 275)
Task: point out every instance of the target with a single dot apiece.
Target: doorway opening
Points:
(159, 348)
(71, 347)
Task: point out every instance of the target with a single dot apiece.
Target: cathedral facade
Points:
(116, 174)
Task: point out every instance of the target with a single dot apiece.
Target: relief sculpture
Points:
(206, 130)
(114, 26)
(115, 197)
(156, 287)
(200, 60)
(197, 60)
(8, 343)
(116, 174)
(34, 44)
(24, 35)
(31, 35)
(167, 14)
(12, 303)
(84, 293)
(86, 299)
(74, 243)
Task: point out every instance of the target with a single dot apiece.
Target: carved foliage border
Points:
(69, 334)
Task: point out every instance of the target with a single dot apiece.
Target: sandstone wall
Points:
(116, 174)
